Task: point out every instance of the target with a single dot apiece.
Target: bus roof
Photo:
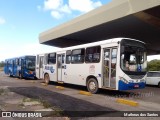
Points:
(114, 40)
(20, 57)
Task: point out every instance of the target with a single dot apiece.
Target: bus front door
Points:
(109, 67)
(60, 66)
(39, 66)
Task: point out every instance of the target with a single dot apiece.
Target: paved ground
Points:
(71, 101)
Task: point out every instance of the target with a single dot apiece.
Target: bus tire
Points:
(92, 85)
(35, 78)
(159, 84)
(46, 78)
(10, 74)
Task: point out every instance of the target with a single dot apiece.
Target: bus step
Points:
(108, 88)
(60, 82)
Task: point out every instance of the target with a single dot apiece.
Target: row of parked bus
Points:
(117, 64)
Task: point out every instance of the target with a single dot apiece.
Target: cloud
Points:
(2, 21)
(56, 14)
(65, 9)
(59, 8)
(52, 4)
(83, 5)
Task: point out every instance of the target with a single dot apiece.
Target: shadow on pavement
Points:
(72, 107)
(113, 93)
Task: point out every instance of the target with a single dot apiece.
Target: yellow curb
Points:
(61, 82)
(85, 93)
(44, 84)
(60, 87)
(128, 102)
(17, 79)
(23, 79)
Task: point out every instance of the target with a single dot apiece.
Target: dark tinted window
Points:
(68, 57)
(153, 74)
(52, 58)
(78, 56)
(14, 61)
(93, 54)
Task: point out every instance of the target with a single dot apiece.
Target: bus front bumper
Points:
(130, 86)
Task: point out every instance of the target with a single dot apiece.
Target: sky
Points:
(21, 22)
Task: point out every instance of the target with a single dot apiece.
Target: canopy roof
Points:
(137, 19)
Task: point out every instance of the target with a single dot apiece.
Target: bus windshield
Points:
(133, 57)
(30, 63)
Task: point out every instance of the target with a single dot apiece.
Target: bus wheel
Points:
(92, 85)
(46, 78)
(10, 74)
(159, 84)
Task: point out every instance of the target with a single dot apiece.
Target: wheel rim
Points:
(92, 86)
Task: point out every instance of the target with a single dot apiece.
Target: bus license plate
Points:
(136, 86)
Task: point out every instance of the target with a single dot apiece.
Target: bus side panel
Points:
(52, 71)
(78, 73)
(74, 74)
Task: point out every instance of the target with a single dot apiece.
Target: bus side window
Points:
(78, 55)
(52, 58)
(68, 56)
(17, 61)
(93, 54)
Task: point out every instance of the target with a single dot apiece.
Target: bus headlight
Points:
(124, 80)
(30, 72)
(26, 72)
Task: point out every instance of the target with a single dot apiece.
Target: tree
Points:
(154, 65)
(2, 64)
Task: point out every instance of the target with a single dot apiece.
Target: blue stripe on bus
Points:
(130, 86)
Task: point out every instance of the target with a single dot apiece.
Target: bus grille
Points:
(136, 76)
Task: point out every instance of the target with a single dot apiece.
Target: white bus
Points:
(117, 64)
(39, 66)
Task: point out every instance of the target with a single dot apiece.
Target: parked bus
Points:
(116, 64)
(22, 67)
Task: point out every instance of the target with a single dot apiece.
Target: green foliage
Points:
(154, 65)
(2, 64)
